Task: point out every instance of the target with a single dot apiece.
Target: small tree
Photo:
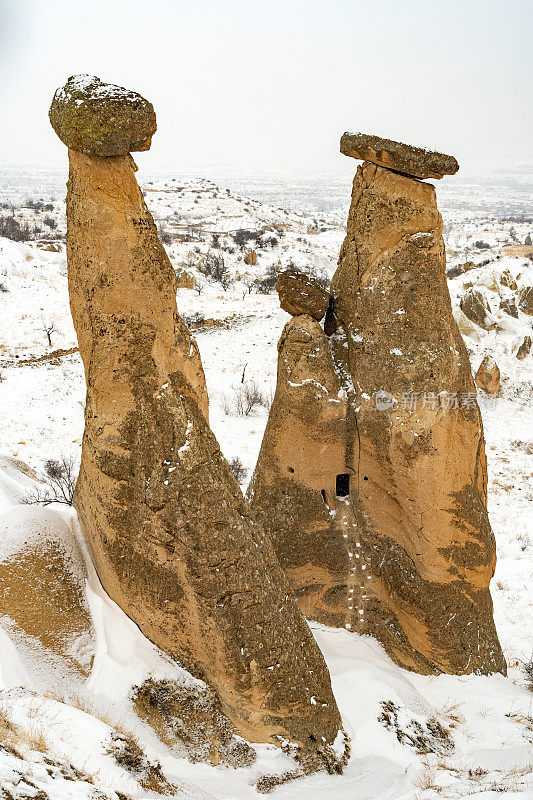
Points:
(267, 283)
(48, 329)
(250, 283)
(226, 281)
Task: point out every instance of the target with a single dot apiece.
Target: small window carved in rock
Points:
(342, 485)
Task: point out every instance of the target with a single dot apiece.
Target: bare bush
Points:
(213, 266)
(248, 397)
(50, 222)
(238, 469)
(226, 403)
(267, 283)
(527, 666)
(193, 320)
(12, 229)
(226, 281)
(164, 235)
(61, 475)
(320, 277)
(243, 236)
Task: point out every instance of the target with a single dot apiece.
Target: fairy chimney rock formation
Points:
(300, 294)
(414, 161)
(410, 558)
(170, 534)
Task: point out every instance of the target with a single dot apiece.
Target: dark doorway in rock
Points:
(342, 485)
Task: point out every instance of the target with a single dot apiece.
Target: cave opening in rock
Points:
(342, 485)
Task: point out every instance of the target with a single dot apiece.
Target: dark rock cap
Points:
(397, 156)
(300, 294)
(101, 119)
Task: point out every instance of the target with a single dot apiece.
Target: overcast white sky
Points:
(274, 84)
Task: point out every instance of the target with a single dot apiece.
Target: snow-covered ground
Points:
(70, 720)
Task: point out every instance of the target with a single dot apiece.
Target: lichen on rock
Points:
(101, 119)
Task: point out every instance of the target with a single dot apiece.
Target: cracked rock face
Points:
(101, 119)
(526, 300)
(171, 536)
(420, 485)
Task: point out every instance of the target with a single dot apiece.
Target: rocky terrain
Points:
(411, 736)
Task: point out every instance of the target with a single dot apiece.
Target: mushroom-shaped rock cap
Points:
(415, 161)
(101, 119)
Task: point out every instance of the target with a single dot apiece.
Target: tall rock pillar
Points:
(420, 483)
(372, 480)
(171, 536)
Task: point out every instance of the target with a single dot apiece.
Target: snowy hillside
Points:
(69, 727)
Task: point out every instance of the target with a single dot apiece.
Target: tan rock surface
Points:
(526, 300)
(300, 294)
(517, 250)
(427, 549)
(43, 587)
(250, 258)
(509, 306)
(398, 156)
(488, 376)
(506, 279)
(465, 325)
(524, 349)
(476, 308)
(170, 534)
(189, 720)
(293, 491)
(185, 280)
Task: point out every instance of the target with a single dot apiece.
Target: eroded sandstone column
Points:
(371, 480)
(294, 490)
(420, 486)
(171, 536)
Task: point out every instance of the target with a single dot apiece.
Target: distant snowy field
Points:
(490, 719)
